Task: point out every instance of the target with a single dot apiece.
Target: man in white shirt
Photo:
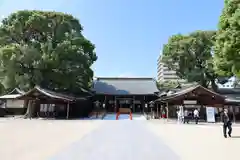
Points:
(196, 115)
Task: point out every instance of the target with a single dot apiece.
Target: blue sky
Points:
(129, 34)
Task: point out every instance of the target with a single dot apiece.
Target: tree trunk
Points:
(204, 83)
(214, 85)
(31, 105)
(97, 110)
(27, 105)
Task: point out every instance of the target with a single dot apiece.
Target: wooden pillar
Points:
(133, 105)
(160, 110)
(233, 112)
(105, 100)
(152, 114)
(67, 110)
(115, 104)
(143, 104)
(221, 117)
(167, 113)
(48, 110)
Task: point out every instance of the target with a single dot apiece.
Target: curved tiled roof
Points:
(185, 91)
(51, 94)
(125, 86)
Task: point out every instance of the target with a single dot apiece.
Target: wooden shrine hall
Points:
(134, 93)
(45, 103)
(192, 97)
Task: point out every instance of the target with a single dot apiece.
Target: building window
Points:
(43, 108)
(47, 107)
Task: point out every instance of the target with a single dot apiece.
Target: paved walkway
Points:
(198, 142)
(35, 139)
(124, 117)
(119, 140)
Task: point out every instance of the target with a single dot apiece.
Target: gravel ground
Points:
(108, 140)
(40, 139)
(198, 142)
(119, 140)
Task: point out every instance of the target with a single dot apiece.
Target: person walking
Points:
(164, 114)
(178, 116)
(196, 115)
(227, 124)
(186, 117)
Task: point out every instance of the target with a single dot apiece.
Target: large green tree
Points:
(191, 57)
(46, 49)
(165, 85)
(227, 46)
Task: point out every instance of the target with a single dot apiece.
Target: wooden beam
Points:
(167, 111)
(67, 110)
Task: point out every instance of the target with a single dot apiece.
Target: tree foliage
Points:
(46, 49)
(227, 46)
(167, 85)
(191, 57)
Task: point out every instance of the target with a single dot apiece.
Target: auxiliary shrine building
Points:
(134, 93)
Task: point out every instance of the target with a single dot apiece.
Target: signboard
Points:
(125, 101)
(111, 102)
(210, 114)
(137, 102)
(192, 106)
(189, 102)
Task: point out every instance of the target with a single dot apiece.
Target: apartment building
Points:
(165, 74)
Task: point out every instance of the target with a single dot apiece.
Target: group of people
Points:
(184, 116)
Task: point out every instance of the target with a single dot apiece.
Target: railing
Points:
(117, 115)
(130, 116)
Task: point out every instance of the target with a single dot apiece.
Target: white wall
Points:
(228, 84)
(14, 103)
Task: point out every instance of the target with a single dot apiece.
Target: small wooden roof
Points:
(38, 92)
(197, 91)
(10, 96)
(15, 93)
(232, 95)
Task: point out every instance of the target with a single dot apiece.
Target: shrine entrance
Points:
(124, 102)
(124, 106)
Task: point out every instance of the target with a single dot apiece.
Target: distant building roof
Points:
(125, 86)
(51, 94)
(10, 96)
(229, 91)
(232, 95)
(15, 93)
(180, 94)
